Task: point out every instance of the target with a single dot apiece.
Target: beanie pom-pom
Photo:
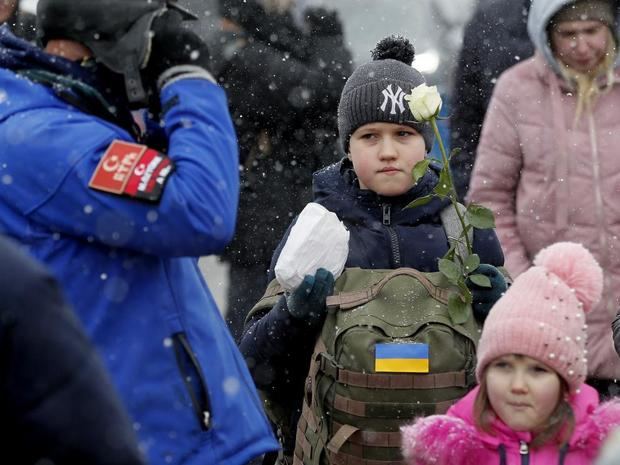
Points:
(577, 268)
(396, 48)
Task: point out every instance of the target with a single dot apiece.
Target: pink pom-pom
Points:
(577, 268)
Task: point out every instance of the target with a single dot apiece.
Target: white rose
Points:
(424, 102)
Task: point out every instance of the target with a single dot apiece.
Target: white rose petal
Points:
(424, 102)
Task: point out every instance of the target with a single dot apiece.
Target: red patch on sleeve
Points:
(132, 170)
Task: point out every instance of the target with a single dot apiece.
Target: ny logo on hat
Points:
(395, 98)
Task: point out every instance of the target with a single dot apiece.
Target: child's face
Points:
(383, 155)
(522, 391)
(580, 45)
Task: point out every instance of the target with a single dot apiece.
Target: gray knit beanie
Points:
(375, 91)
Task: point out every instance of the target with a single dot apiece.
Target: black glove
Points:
(176, 53)
(323, 22)
(307, 302)
(485, 297)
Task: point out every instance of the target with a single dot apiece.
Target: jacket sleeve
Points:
(590, 435)
(277, 346)
(496, 176)
(197, 209)
(487, 246)
(56, 399)
(469, 104)
(440, 440)
(615, 325)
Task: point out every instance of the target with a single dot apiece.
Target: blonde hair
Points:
(558, 428)
(587, 84)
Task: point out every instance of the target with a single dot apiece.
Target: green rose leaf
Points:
(443, 187)
(472, 262)
(450, 253)
(419, 169)
(480, 280)
(457, 309)
(450, 270)
(455, 151)
(480, 217)
(420, 201)
(466, 294)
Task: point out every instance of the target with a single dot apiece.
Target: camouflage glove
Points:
(485, 297)
(307, 302)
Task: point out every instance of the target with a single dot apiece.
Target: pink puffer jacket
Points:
(547, 181)
(452, 439)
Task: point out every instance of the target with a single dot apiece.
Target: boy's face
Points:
(383, 156)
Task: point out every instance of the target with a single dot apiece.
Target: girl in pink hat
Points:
(531, 405)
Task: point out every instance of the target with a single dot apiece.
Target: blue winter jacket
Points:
(130, 267)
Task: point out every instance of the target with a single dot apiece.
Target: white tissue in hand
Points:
(318, 239)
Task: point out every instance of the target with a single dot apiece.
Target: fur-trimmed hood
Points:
(452, 439)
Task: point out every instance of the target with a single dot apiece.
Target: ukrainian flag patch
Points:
(402, 358)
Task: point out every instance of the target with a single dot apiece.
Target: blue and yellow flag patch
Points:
(402, 358)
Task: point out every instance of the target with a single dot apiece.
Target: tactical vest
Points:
(388, 352)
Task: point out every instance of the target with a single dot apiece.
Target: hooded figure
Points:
(547, 162)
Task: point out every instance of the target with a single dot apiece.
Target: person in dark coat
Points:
(22, 23)
(56, 402)
(495, 39)
(368, 191)
(283, 84)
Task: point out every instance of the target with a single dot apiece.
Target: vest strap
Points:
(349, 300)
(387, 410)
(394, 381)
(372, 438)
(346, 459)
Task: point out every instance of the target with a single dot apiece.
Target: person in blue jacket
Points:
(120, 217)
(368, 191)
(56, 401)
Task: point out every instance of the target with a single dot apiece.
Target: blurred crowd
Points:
(139, 135)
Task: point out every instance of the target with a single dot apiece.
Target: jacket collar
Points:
(585, 405)
(337, 187)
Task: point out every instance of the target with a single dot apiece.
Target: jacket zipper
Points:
(524, 450)
(387, 221)
(598, 197)
(193, 378)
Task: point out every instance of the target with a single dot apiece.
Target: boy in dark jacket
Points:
(368, 191)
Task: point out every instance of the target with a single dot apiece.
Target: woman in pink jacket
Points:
(532, 406)
(548, 163)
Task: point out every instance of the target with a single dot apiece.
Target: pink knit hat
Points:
(542, 315)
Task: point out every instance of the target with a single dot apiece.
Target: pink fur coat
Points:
(452, 439)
